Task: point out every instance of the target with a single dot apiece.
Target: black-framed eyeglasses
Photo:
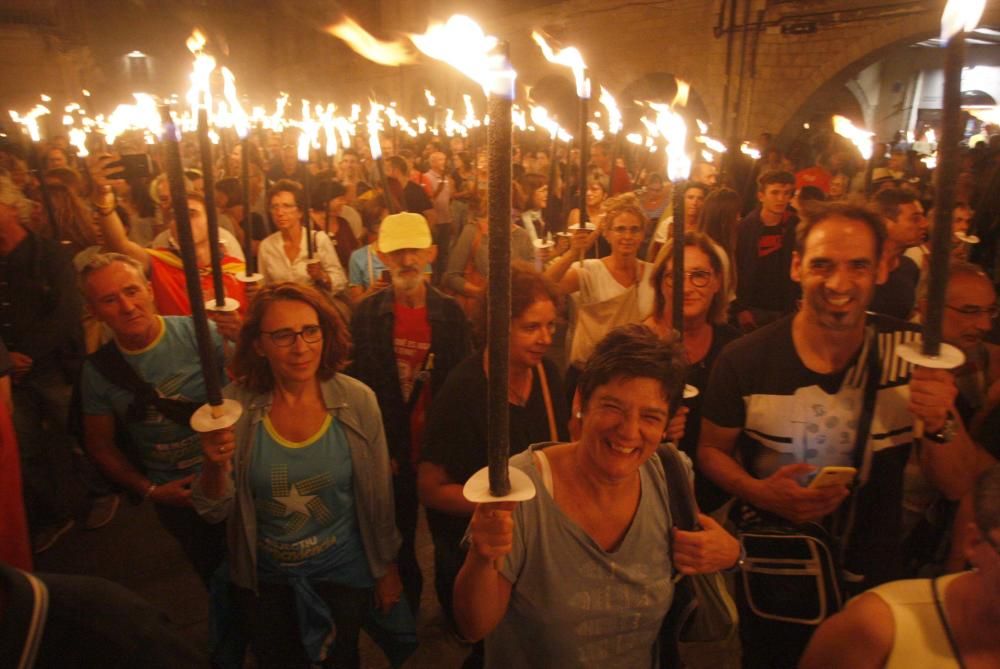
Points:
(286, 336)
(974, 312)
(699, 278)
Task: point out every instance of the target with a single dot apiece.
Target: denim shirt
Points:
(353, 405)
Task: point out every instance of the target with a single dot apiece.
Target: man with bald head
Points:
(439, 188)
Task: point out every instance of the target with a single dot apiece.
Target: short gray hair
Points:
(102, 260)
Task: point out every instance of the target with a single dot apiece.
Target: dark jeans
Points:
(769, 644)
(50, 456)
(404, 486)
(270, 621)
(204, 544)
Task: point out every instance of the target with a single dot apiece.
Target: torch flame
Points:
(634, 138)
(614, 114)
(196, 42)
(673, 128)
(711, 143)
(462, 44)
(374, 125)
(681, 97)
(30, 121)
(748, 150)
(375, 50)
(240, 119)
(860, 138)
(959, 16)
(571, 58)
(431, 100)
(200, 93)
(78, 138)
(540, 116)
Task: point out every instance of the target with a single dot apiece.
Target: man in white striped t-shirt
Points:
(786, 400)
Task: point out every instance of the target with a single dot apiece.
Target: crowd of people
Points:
(359, 359)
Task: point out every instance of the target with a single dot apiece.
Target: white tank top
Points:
(920, 638)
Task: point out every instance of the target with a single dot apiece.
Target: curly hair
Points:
(253, 370)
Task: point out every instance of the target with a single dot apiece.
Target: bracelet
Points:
(149, 491)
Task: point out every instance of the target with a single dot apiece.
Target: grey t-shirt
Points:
(575, 605)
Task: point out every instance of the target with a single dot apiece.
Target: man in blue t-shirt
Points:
(164, 453)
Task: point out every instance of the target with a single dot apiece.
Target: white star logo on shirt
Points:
(296, 502)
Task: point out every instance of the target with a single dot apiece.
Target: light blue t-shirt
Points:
(168, 450)
(364, 267)
(304, 496)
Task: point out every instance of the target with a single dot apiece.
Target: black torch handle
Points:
(677, 271)
(499, 147)
(178, 199)
(944, 200)
(247, 216)
(211, 213)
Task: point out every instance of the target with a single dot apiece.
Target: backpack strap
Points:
(109, 361)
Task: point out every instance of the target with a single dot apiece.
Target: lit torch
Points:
(303, 156)
(462, 43)
(200, 100)
(217, 413)
(571, 58)
(672, 127)
(960, 16)
(375, 146)
(615, 126)
(862, 139)
(242, 124)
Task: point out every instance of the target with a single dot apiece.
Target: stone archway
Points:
(794, 69)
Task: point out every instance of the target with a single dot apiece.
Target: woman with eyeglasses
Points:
(706, 290)
(609, 291)
(304, 481)
(283, 256)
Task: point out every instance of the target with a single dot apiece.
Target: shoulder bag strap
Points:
(939, 606)
(868, 405)
(682, 504)
(843, 524)
(418, 382)
(544, 381)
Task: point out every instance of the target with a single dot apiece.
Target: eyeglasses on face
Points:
(286, 336)
(975, 312)
(699, 278)
(632, 230)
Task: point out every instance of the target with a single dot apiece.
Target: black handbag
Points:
(702, 610)
(793, 572)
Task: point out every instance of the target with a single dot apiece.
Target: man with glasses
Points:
(786, 400)
(407, 337)
(147, 380)
(950, 621)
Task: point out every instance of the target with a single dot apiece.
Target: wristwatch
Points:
(946, 433)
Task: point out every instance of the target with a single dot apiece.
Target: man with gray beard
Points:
(407, 337)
